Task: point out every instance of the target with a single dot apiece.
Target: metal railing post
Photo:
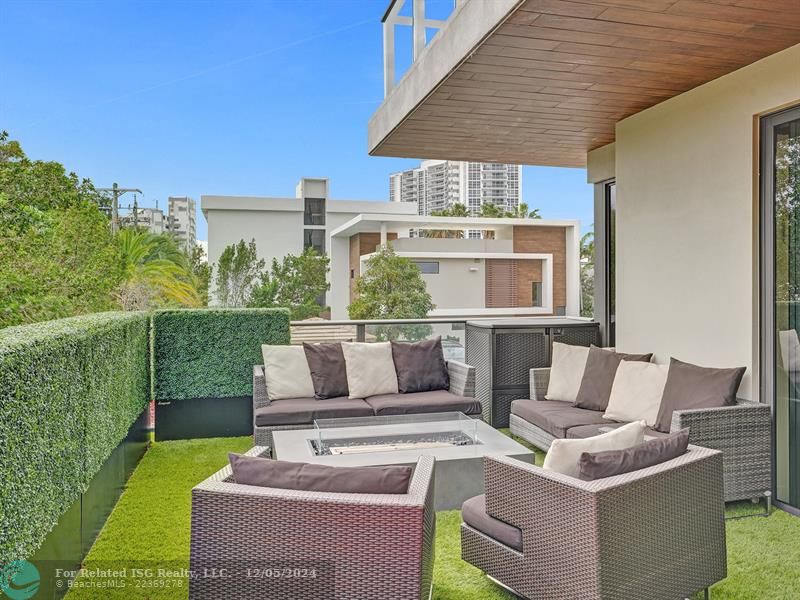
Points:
(361, 332)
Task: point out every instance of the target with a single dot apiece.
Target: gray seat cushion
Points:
(585, 431)
(474, 514)
(297, 411)
(423, 402)
(554, 416)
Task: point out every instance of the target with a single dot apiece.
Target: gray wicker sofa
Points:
(300, 413)
(742, 432)
(251, 543)
(656, 533)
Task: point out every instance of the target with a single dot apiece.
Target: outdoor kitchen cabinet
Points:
(503, 351)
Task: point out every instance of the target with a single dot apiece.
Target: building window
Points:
(430, 267)
(536, 294)
(314, 213)
(314, 238)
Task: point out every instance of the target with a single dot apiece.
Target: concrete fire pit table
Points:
(457, 442)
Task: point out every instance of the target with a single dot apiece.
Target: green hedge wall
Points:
(70, 389)
(210, 353)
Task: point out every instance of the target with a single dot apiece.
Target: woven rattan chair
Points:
(252, 543)
(657, 533)
(462, 383)
(742, 432)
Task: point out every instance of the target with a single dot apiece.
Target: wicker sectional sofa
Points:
(742, 432)
(300, 413)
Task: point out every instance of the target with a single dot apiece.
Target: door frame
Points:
(767, 255)
(602, 275)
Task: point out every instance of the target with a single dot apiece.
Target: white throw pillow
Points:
(566, 371)
(286, 372)
(636, 393)
(564, 455)
(370, 369)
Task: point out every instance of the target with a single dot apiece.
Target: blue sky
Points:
(193, 98)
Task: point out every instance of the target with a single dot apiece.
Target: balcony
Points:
(532, 82)
(83, 384)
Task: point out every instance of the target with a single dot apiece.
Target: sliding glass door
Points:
(780, 183)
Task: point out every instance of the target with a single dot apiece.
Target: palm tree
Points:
(456, 210)
(155, 272)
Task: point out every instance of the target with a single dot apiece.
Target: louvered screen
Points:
(501, 283)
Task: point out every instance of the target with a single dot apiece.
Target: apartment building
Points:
(183, 220)
(151, 219)
(438, 184)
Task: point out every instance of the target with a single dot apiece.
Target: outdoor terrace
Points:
(76, 392)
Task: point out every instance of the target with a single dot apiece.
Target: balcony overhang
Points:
(545, 81)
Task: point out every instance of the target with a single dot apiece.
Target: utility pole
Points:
(116, 192)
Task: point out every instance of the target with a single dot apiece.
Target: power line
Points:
(116, 192)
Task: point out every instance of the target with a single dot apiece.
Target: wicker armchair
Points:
(462, 383)
(252, 543)
(654, 533)
(742, 432)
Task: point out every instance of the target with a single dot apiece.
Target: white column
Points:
(384, 235)
(388, 55)
(418, 27)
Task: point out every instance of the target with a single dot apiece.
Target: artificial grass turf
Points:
(151, 523)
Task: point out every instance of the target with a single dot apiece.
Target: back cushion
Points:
(690, 386)
(420, 366)
(599, 374)
(286, 372)
(596, 465)
(370, 369)
(263, 472)
(565, 454)
(566, 371)
(328, 370)
(636, 393)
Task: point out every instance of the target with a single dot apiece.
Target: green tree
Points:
(587, 274)
(524, 212)
(392, 287)
(198, 264)
(296, 283)
(237, 272)
(155, 272)
(66, 266)
(57, 257)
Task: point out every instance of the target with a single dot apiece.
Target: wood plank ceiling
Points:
(551, 81)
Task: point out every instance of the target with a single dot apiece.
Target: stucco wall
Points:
(456, 286)
(686, 278)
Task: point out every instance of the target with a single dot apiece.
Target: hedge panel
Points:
(71, 389)
(210, 353)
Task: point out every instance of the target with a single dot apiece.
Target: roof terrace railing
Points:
(418, 23)
(452, 332)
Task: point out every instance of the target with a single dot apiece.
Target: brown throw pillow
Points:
(690, 386)
(598, 377)
(596, 465)
(254, 470)
(420, 366)
(328, 373)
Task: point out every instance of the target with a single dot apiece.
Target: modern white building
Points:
(438, 184)
(281, 225)
(530, 267)
(183, 220)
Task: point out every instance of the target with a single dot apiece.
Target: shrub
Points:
(210, 353)
(70, 391)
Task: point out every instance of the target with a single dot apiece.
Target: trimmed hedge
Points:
(210, 353)
(71, 389)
